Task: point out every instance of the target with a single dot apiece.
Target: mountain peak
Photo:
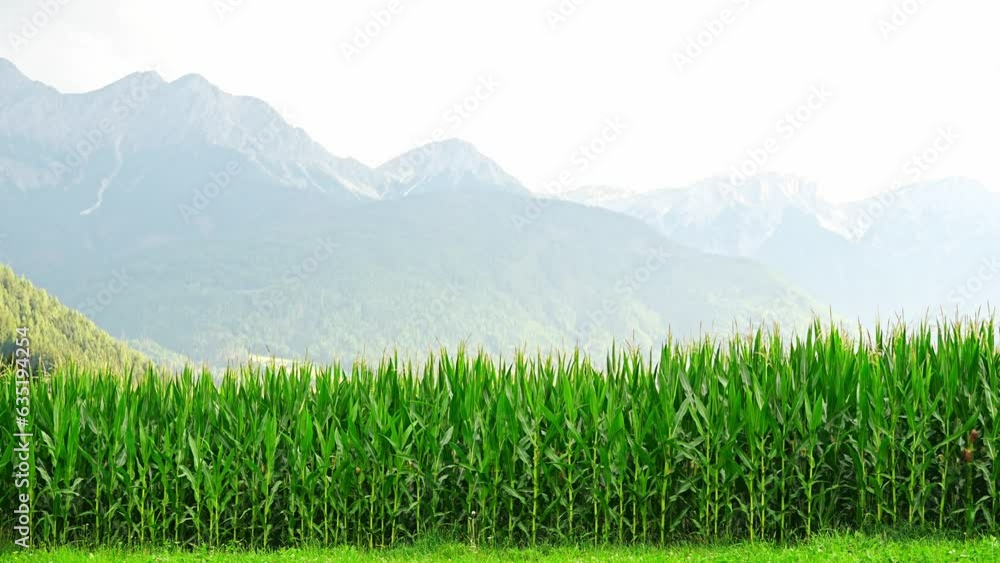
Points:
(453, 150)
(147, 76)
(453, 145)
(129, 86)
(195, 83)
(447, 164)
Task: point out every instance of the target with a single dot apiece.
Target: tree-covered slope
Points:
(56, 333)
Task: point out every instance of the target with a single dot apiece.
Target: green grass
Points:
(758, 438)
(821, 548)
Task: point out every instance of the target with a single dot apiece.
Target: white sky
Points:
(609, 59)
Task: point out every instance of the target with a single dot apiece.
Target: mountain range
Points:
(921, 248)
(187, 220)
(194, 223)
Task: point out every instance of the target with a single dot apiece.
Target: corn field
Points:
(756, 438)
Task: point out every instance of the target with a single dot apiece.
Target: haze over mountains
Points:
(923, 247)
(177, 215)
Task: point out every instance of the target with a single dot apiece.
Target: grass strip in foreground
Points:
(822, 548)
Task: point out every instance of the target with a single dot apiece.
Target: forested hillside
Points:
(56, 333)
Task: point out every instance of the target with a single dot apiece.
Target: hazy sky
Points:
(699, 86)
